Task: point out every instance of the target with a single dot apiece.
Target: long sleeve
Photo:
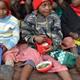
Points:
(49, 26)
(56, 31)
(28, 30)
(9, 31)
(13, 40)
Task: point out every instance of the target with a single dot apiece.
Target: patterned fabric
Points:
(24, 54)
(9, 31)
(36, 25)
(64, 57)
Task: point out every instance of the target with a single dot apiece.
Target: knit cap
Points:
(37, 3)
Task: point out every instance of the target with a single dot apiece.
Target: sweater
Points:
(38, 24)
(9, 31)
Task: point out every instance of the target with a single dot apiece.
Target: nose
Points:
(47, 7)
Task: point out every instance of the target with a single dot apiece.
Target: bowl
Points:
(44, 66)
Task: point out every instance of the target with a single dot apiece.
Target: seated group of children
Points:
(41, 24)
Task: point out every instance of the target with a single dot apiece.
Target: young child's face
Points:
(45, 8)
(3, 9)
(76, 2)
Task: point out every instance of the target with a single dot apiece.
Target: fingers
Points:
(49, 49)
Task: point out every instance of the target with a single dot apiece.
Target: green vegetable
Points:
(43, 65)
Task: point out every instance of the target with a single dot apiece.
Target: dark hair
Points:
(21, 10)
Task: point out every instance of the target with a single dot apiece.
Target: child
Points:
(9, 34)
(25, 58)
(9, 27)
(71, 25)
(43, 23)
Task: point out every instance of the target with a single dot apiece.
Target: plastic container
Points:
(44, 66)
(43, 46)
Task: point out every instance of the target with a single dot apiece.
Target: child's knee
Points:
(68, 42)
(31, 63)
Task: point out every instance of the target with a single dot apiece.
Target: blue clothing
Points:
(9, 31)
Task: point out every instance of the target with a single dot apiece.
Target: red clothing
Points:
(76, 9)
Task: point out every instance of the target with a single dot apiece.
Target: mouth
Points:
(46, 13)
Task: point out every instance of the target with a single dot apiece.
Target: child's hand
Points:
(73, 35)
(40, 38)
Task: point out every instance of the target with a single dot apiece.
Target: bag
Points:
(64, 57)
(43, 46)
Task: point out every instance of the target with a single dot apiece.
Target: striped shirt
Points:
(9, 31)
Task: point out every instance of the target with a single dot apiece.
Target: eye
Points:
(44, 5)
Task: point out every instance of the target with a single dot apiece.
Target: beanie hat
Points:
(37, 3)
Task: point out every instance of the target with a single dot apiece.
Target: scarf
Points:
(76, 9)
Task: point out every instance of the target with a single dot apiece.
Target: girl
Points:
(9, 34)
(9, 27)
(43, 23)
(71, 25)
